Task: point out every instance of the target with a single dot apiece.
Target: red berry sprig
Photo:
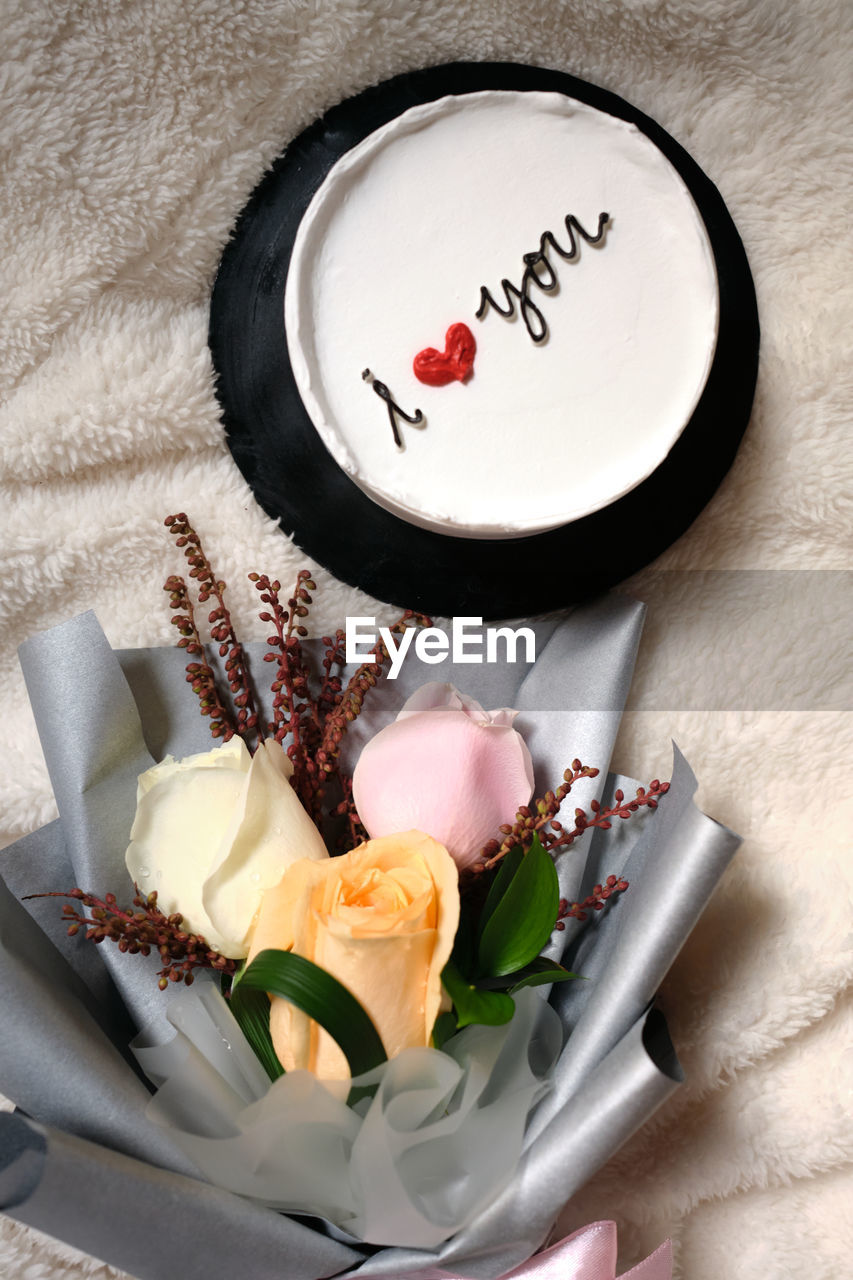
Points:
(310, 716)
(541, 817)
(221, 629)
(199, 674)
(142, 931)
(595, 901)
(560, 839)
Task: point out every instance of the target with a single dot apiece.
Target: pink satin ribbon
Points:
(587, 1254)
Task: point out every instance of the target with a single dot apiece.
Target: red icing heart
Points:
(454, 363)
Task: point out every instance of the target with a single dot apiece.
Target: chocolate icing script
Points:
(539, 271)
(394, 409)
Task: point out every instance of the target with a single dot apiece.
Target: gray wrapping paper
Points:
(88, 1167)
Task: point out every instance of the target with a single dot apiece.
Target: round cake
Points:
(501, 311)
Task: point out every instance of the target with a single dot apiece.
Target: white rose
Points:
(213, 832)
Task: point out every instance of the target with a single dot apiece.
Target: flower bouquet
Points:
(404, 1006)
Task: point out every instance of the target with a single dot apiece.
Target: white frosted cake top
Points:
(569, 403)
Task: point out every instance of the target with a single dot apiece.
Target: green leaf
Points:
(506, 870)
(463, 954)
(522, 921)
(535, 974)
(540, 977)
(252, 1011)
(445, 1027)
(474, 1005)
(321, 997)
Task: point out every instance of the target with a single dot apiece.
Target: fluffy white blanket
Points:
(132, 132)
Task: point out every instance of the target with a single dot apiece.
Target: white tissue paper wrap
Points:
(411, 1165)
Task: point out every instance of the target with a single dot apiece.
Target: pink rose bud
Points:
(446, 767)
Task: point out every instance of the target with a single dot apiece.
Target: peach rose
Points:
(382, 920)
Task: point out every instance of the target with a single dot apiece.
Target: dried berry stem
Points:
(595, 901)
(561, 839)
(355, 833)
(199, 674)
(295, 711)
(529, 820)
(334, 656)
(221, 627)
(350, 702)
(314, 725)
(142, 931)
(543, 815)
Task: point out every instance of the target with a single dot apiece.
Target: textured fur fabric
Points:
(132, 133)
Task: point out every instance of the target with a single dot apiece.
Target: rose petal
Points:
(445, 771)
(183, 810)
(212, 831)
(393, 969)
(269, 831)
